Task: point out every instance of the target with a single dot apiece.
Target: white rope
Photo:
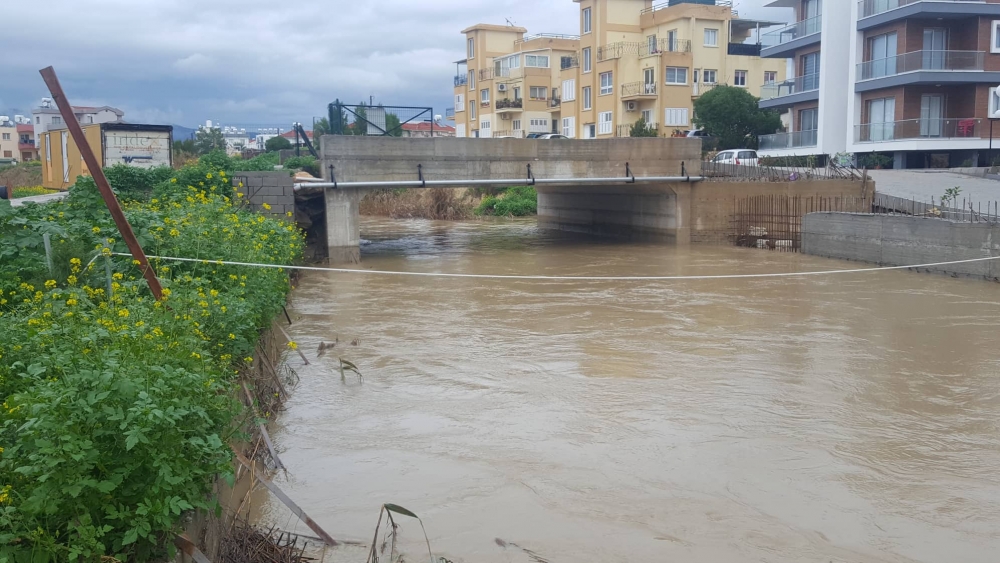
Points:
(572, 278)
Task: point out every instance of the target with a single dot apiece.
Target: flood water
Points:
(824, 419)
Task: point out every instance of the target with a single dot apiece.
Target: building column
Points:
(343, 226)
(898, 160)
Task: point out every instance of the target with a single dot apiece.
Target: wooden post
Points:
(66, 110)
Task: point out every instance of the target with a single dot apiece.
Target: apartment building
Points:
(8, 141)
(26, 144)
(915, 82)
(47, 116)
(631, 60)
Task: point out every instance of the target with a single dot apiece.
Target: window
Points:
(472, 48)
(881, 119)
(516, 125)
(472, 80)
(8, 154)
(740, 79)
(586, 20)
(484, 96)
(675, 117)
(89, 119)
(569, 127)
(56, 120)
(605, 123)
(538, 92)
(711, 37)
(647, 115)
(485, 128)
(651, 44)
(709, 76)
(459, 102)
(6, 136)
(472, 109)
(882, 56)
(606, 84)
(539, 125)
(517, 92)
(569, 90)
(586, 98)
(770, 77)
(536, 61)
(810, 72)
(677, 75)
(586, 59)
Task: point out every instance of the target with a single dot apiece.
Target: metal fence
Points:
(752, 171)
(965, 211)
(376, 119)
(774, 222)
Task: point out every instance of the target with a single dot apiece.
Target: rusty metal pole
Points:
(66, 110)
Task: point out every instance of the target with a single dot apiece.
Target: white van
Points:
(744, 157)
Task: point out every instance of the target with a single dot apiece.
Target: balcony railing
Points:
(968, 128)
(632, 89)
(869, 8)
(617, 50)
(485, 74)
(449, 113)
(662, 5)
(569, 62)
(516, 103)
(625, 129)
(461, 80)
(922, 60)
(664, 46)
(795, 31)
(791, 86)
(555, 102)
(546, 36)
(793, 140)
(702, 88)
(29, 146)
(745, 49)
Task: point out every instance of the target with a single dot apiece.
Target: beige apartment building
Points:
(631, 60)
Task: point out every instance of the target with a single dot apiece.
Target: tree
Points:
(732, 116)
(642, 129)
(209, 139)
(320, 127)
(392, 125)
(187, 145)
(275, 144)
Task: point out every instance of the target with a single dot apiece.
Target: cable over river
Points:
(821, 419)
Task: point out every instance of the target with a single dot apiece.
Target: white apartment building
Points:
(47, 116)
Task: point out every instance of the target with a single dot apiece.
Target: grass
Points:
(445, 204)
(32, 191)
(518, 201)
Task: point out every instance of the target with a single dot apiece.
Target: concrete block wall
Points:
(273, 188)
(892, 240)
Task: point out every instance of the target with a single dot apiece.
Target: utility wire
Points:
(572, 278)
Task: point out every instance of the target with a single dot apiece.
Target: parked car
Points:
(553, 136)
(742, 157)
(533, 135)
(696, 133)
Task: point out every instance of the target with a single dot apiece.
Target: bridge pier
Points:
(343, 226)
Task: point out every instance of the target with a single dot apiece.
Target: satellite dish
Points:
(437, 118)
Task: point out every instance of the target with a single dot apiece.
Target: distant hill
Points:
(182, 133)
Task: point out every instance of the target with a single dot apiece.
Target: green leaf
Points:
(399, 510)
(130, 536)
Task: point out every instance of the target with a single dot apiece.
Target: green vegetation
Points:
(950, 196)
(642, 129)
(514, 202)
(32, 190)
(275, 144)
(207, 140)
(24, 175)
(732, 116)
(117, 409)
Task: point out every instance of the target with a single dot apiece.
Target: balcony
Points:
(29, 146)
(948, 67)
(662, 5)
(555, 103)
(617, 50)
(922, 130)
(789, 92)
(485, 74)
(875, 13)
(449, 114)
(461, 80)
(509, 106)
(625, 129)
(745, 49)
(662, 46)
(702, 88)
(528, 38)
(634, 90)
(566, 63)
(786, 141)
(784, 42)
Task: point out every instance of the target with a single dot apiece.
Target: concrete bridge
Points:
(622, 187)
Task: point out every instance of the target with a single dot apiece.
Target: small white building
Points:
(47, 116)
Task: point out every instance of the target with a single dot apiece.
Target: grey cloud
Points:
(257, 61)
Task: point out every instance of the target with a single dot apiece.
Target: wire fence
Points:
(774, 222)
(949, 209)
(751, 171)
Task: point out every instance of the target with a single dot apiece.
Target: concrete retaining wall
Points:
(640, 211)
(273, 188)
(896, 240)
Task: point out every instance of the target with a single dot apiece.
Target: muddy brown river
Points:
(847, 419)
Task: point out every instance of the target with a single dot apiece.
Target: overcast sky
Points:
(255, 61)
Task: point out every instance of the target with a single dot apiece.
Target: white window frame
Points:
(534, 90)
(588, 23)
(484, 96)
(569, 90)
(647, 116)
(588, 63)
(485, 128)
(56, 120)
(536, 61)
(470, 49)
(714, 33)
(588, 98)
(472, 110)
(736, 78)
(676, 69)
(605, 123)
(704, 76)
(607, 90)
(676, 117)
(994, 106)
(772, 74)
(459, 102)
(569, 127)
(995, 36)
(472, 80)
(517, 92)
(515, 125)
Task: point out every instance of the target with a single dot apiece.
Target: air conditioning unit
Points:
(631, 106)
(505, 116)
(501, 87)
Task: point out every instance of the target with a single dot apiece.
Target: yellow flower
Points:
(71, 302)
(266, 206)
(293, 345)
(289, 213)
(248, 359)
(174, 232)
(106, 251)
(208, 176)
(71, 280)
(232, 336)
(172, 181)
(50, 284)
(117, 276)
(96, 230)
(166, 292)
(214, 293)
(196, 355)
(123, 313)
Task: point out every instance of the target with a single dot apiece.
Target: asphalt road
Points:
(922, 185)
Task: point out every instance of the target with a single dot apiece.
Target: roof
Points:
(426, 126)
(291, 134)
(81, 109)
(493, 27)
